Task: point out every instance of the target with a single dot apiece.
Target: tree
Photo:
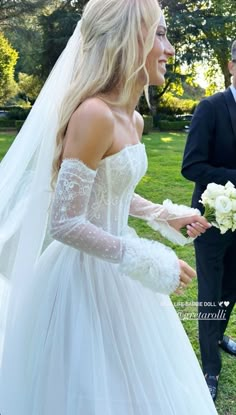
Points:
(8, 58)
(77, 4)
(29, 87)
(201, 30)
(26, 38)
(10, 9)
(26, 35)
(41, 37)
(57, 27)
(220, 31)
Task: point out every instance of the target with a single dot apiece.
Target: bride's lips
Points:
(162, 64)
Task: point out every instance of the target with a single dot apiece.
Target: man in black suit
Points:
(210, 156)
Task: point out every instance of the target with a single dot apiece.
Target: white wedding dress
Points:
(96, 338)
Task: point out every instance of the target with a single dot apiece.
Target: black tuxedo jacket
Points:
(210, 152)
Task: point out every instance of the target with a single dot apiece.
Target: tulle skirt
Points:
(90, 341)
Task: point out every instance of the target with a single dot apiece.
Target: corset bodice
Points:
(115, 181)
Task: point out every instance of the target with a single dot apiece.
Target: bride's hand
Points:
(187, 273)
(195, 225)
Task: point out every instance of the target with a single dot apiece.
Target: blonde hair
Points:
(116, 37)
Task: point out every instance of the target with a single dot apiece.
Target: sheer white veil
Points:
(25, 189)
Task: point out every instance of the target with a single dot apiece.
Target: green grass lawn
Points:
(5, 142)
(162, 181)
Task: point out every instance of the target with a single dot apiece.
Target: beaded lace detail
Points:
(157, 217)
(90, 213)
(91, 208)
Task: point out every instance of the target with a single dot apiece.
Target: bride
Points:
(87, 332)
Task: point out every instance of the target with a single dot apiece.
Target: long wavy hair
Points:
(116, 38)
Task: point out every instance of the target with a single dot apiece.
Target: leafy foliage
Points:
(8, 58)
(202, 29)
(199, 30)
(26, 37)
(57, 27)
(10, 9)
(29, 87)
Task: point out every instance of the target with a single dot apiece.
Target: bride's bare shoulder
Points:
(93, 109)
(90, 132)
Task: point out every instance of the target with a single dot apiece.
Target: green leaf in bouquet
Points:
(209, 214)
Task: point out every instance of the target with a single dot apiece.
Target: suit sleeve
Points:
(196, 165)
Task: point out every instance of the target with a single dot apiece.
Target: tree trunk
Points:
(227, 76)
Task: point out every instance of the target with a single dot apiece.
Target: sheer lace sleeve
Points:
(69, 222)
(153, 264)
(157, 216)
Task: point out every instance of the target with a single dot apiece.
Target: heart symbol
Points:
(226, 303)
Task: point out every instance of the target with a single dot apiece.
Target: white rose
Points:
(207, 200)
(223, 217)
(230, 193)
(233, 193)
(229, 185)
(233, 205)
(223, 204)
(230, 190)
(214, 190)
(224, 222)
(233, 222)
(227, 222)
(223, 229)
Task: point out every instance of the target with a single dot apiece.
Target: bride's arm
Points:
(153, 264)
(169, 218)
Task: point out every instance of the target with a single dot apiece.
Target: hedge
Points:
(6, 123)
(165, 125)
(18, 113)
(175, 106)
(18, 124)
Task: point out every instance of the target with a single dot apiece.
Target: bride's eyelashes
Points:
(161, 34)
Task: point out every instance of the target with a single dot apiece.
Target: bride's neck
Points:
(130, 106)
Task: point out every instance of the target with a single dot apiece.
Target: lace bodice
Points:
(113, 188)
(90, 213)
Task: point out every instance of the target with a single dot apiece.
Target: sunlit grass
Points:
(5, 142)
(166, 139)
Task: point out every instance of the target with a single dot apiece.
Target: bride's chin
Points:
(159, 81)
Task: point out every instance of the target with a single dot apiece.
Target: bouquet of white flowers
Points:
(220, 206)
